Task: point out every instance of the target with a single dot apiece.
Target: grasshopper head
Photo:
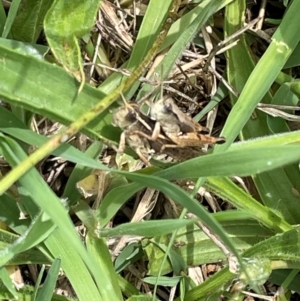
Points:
(124, 116)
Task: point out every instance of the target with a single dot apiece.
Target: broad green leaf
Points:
(63, 28)
(56, 87)
(33, 50)
(283, 246)
(258, 270)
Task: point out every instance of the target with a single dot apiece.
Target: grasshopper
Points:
(180, 128)
(137, 133)
(168, 131)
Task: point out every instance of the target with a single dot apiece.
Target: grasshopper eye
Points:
(131, 115)
(168, 107)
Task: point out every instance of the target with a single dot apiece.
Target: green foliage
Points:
(260, 232)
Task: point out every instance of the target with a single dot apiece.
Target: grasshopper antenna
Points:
(162, 82)
(134, 110)
(125, 101)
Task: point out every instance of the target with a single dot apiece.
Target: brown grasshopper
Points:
(137, 133)
(180, 128)
(168, 131)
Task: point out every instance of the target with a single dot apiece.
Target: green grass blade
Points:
(227, 190)
(38, 283)
(10, 212)
(11, 17)
(203, 8)
(148, 34)
(46, 292)
(283, 247)
(12, 126)
(72, 264)
(86, 214)
(2, 18)
(243, 75)
(37, 232)
(147, 228)
(234, 163)
(283, 43)
(244, 233)
(28, 23)
(80, 172)
(114, 200)
(294, 59)
(193, 26)
(186, 201)
(288, 138)
(4, 276)
(49, 203)
(149, 31)
(97, 247)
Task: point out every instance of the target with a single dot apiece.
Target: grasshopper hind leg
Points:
(142, 153)
(211, 140)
